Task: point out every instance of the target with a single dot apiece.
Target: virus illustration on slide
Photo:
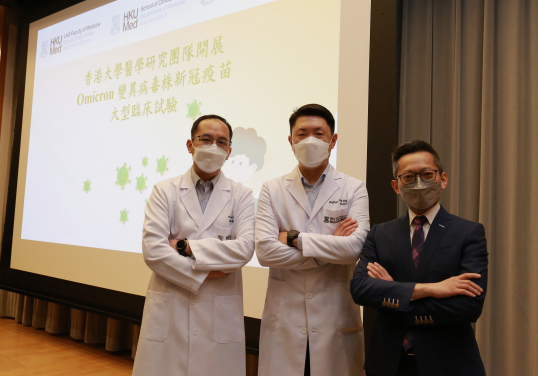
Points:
(123, 216)
(162, 165)
(145, 161)
(123, 175)
(193, 110)
(87, 186)
(141, 183)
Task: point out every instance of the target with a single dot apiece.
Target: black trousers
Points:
(307, 361)
(406, 367)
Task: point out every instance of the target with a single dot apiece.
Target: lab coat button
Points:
(312, 229)
(193, 302)
(309, 296)
(303, 330)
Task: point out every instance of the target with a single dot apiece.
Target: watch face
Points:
(293, 233)
(181, 245)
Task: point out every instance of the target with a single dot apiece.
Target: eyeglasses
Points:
(222, 142)
(409, 178)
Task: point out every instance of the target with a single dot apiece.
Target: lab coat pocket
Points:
(274, 303)
(156, 317)
(331, 219)
(349, 316)
(223, 233)
(229, 322)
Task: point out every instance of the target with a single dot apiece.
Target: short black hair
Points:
(194, 128)
(411, 147)
(312, 110)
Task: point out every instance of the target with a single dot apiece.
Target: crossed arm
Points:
(216, 256)
(458, 299)
(458, 285)
(213, 274)
(345, 228)
(342, 247)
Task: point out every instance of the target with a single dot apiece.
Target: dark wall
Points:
(383, 115)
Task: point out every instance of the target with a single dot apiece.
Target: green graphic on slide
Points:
(123, 216)
(193, 110)
(123, 176)
(141, 183)
(162, 165)
(87, 186)
(145, 161)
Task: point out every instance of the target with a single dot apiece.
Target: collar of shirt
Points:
(430, 214)
(196, 178)
(307, 184)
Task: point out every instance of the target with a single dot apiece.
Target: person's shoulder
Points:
(170, 182)
(238, 187)
(463, 224)
(348, 179)
(389, 225)
(279, 180)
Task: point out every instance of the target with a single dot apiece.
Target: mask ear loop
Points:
(330, 151)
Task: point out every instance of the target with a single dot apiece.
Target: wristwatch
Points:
(181, 246)
(292, 235)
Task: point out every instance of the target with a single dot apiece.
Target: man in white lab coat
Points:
(310, 228)
(198, 234)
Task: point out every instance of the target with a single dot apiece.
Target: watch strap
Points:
(292, 238)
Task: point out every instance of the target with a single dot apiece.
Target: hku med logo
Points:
(130, 20)
(56, 45)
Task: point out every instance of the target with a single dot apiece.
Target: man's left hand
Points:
(375, 270)
(173, 243)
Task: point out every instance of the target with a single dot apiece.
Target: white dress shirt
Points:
(204, 189)
(430, 216)
(312, 192)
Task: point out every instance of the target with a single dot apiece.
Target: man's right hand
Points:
(459, 285)
(216, 274)
(346, 227)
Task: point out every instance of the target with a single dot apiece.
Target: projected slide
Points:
(116, 91)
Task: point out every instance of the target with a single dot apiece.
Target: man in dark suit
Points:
(426, 272)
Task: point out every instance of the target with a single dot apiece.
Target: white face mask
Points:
(209, 157)
(311, 151)
(421, 194)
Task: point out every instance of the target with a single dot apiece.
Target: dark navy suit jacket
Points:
(443, 338)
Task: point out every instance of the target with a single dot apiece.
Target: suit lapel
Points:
(438, 229)
(327, 189)
(187, 195)
(218, 200)
(403, 239)
(296, 189)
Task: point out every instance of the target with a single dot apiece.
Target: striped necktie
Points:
(417, 242)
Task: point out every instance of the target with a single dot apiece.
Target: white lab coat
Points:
(308, 292)
(193, 326)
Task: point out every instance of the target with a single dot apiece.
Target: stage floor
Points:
(25, 351)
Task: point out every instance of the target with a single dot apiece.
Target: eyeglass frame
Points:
(213, 140)
(415, 176)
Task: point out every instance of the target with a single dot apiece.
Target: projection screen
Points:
(112, 90)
